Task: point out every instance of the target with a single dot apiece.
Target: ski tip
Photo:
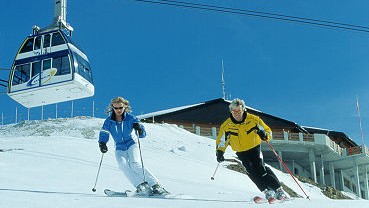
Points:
(259, 200)
(111, 193)
(256, 198)
(272, 200)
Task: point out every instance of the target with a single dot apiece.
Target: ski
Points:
(126, 193)
(287, 199)
(261, 200)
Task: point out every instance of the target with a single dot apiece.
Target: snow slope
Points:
(54, 163)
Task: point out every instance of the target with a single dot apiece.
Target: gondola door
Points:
(37, 49)
(46, 43)
(35, 75)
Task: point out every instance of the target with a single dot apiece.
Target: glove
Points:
(103, 147)
(138, 128)
(220, 156)
(262, 135)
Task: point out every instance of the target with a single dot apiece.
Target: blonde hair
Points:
(116, 100)
(237, 102)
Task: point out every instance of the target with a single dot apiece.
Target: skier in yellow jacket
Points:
(244, 132)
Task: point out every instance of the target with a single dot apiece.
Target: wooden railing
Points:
(335, 147)
(308, 138)
(204, 130)
(207, 131)
(354, 150)
(278, 135)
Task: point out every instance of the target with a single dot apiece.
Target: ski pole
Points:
(142, 163)
(215, 171)
(98, 171)
(285, 167)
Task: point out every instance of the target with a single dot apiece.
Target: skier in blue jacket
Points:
(120, 125)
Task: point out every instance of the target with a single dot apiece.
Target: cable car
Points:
(49, 67)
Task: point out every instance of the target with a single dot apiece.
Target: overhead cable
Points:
(237, 11)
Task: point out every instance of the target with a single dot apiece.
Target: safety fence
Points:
(61, 110)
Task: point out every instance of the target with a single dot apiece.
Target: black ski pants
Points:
(262, 176)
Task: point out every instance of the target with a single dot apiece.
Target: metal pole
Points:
(56, 110)
(285, 167)
(42, 112)
(215, 171)
(142, 164)
(98, 172)
(93, 109)
(358, 113)
(16, 114)
(223, 83)
(71, 112)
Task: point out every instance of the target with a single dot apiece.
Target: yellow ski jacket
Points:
(241, 136)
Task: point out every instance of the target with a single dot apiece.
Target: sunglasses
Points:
(118, 108)
(237, 111)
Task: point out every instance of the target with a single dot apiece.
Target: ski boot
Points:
(279, 194)
(270, 196)
(158, 190)
(143, 189)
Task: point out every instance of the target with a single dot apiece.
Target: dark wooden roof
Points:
(210, 112)
(215, 112)
(338, 137)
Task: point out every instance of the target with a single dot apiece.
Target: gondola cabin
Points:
(49, 68)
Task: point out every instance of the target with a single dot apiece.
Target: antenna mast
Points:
(223, 83)
(358, 113)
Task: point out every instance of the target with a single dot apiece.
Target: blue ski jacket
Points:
(120, 131)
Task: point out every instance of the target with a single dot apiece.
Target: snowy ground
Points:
(54, 164)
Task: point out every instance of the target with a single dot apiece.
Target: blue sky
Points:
(161, 57)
